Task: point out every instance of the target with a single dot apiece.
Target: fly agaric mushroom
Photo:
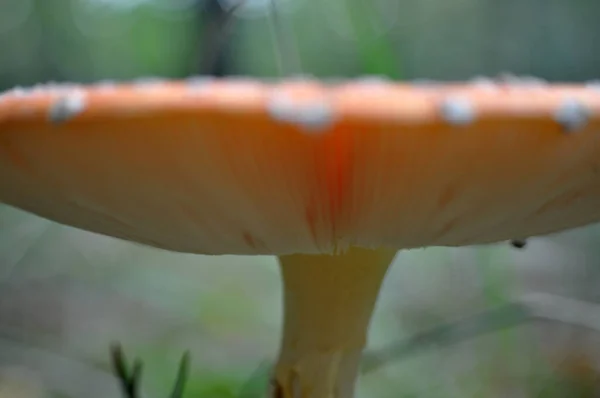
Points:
(333, 179)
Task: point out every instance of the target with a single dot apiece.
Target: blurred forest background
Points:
(65, 295)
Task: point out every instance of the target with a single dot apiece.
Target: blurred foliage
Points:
(65, 294)
(85, 40)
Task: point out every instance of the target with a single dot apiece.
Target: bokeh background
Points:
(65, 295)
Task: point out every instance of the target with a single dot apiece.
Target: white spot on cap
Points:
(17, 92)
(458, 111)
(240, 86)
(507, 78)
(281, 107)
(373, 81)
(38, 89)
(420, 82)
(198, 84)
(572, 114)
(532, 82)
(594, 85)
(4, 95)
(484, 83)
(106, 85)
(67, 106)
(314, 115)
(301, 78)
(520, 82)
(41, 89)
(149, 83)
(53, 89)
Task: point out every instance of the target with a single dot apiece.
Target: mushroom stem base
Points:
(329, 300)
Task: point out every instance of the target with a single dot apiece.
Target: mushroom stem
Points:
(329, 300)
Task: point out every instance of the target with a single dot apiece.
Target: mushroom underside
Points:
(242, 187)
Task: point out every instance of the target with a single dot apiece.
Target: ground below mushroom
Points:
(226, 310)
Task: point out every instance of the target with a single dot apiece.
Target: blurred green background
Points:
(65, 295)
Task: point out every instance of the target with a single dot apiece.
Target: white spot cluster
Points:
(458, 111)
(69, 98)
(572, 114)
(51, 88)
(314, 115)
(16, 92)
(67, 106)
(594, 85)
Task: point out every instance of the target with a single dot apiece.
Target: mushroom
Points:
(333, 178)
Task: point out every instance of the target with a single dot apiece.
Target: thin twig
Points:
(489, 321)
(532, 307)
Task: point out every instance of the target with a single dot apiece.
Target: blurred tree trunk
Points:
(215, 54)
